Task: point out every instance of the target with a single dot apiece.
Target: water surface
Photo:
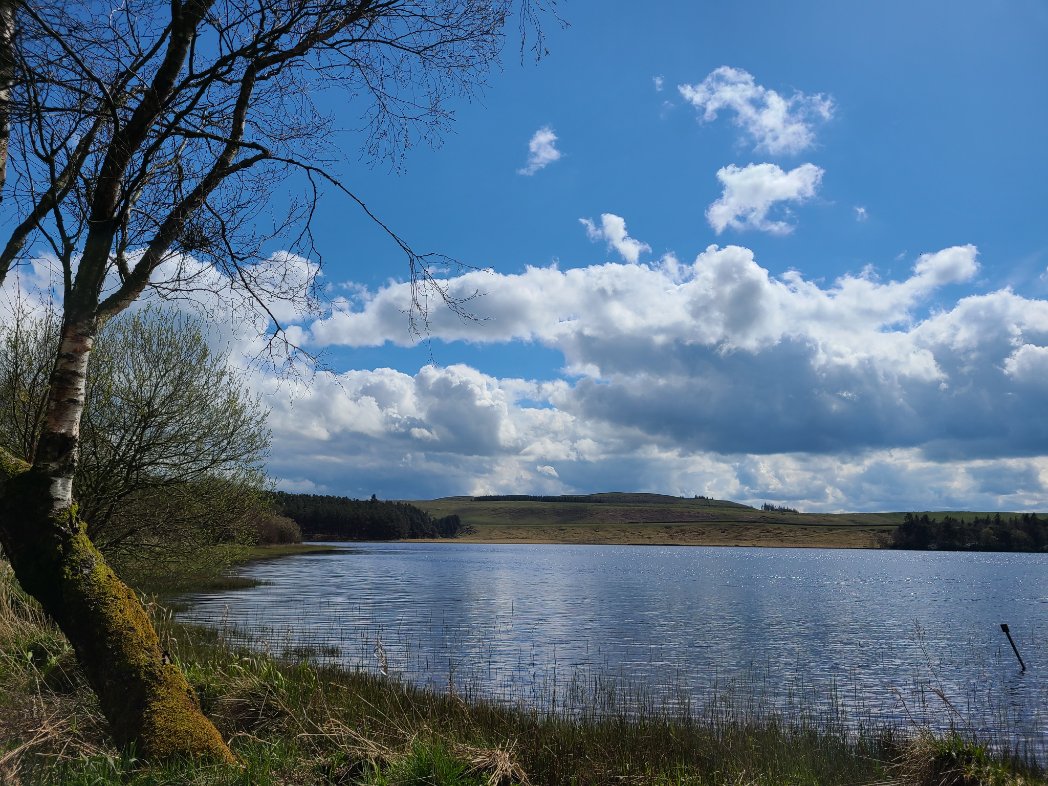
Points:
(903, 637)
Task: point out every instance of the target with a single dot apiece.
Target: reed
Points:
(531, 678)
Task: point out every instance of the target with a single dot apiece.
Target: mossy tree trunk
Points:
(144, 696)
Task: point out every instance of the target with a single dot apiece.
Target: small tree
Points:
(28, 346)
(145, 139)
(171, 441)
(162, 413)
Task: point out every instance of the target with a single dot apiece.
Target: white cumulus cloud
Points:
(950, 266)
(542, 151)
(711, 376)
(612, 230)
(1028, 364)
(752, 191)
(776, 124)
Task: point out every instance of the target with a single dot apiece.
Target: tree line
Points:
(323, 517)
(767, 507)
(1024, 532)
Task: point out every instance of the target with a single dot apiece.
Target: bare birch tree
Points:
(142, 139)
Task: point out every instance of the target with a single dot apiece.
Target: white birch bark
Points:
(57, 451)
(7, 78)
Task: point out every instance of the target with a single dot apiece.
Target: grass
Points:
(655, 519)
(952, 760)
(304, 723)
(661, 520)
(216, 572)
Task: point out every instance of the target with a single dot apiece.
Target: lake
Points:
(856, 635)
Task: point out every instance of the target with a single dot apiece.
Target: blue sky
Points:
(782, 252)
(938, 118)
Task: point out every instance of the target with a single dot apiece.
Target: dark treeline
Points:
(1025, 532)
(340, 518)
(769, 508)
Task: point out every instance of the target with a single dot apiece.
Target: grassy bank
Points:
(300, 723)
(218, 569)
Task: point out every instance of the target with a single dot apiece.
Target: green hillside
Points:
(628, 508)
(616, 517)
(658, 519)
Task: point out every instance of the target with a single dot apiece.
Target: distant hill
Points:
(547, 514)
(611, 498)
(657, 520)
(647, 519)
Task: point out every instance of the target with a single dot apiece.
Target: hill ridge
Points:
(606, 497)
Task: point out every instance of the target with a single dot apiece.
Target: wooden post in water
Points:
(1004, 627)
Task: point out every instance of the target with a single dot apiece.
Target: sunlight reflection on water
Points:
(898, 637)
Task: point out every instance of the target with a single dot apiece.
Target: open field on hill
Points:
(654, 519)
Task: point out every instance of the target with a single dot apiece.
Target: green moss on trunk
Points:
(146, 699)
(10, 467)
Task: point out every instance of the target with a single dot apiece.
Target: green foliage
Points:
(426, 764)
(1025, 532)
(273, 529)
(172, 443)
(27, 354)
(340, 518)
(169, 432)
(954, 760)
